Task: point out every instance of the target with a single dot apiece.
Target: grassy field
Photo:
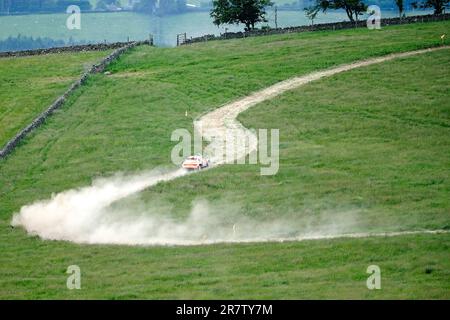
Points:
(411, 267)
(30, 84)
(378, 150)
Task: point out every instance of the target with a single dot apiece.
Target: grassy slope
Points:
(147, 96)
(377, 151)
(146, 100)
(28, 85)
(411, 267)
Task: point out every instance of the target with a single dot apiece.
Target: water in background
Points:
(121, 26)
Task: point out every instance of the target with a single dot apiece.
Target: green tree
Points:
(353, 8)
(248, 12)
(400, 7)
(311, 13)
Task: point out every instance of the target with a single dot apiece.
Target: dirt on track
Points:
(215, 124)
(82, 215)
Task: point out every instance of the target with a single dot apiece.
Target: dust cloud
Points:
(88, 215)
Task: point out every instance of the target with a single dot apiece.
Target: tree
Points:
(438, 5)
(400, 7)
(353, 8)
(248, 12)
(311, 13)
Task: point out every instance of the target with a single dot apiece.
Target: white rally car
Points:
(196, 162)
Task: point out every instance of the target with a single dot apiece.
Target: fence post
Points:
(181, 38)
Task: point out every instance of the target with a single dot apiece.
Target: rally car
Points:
(196, 162)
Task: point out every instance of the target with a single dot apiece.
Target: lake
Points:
(119, 26)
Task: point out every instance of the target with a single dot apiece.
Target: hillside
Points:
(375, 154)
(30, 84)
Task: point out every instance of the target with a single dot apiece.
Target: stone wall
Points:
(100, 67)
(318, 27)
(77, 48)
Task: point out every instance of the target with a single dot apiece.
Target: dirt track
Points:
(214, 124)
(81, 215)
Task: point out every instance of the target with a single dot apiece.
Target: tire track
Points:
(82, 216)
(215, 124)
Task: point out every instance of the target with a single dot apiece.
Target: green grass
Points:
(123, 122)
(375, 152)
(411, 267)
(30, 84)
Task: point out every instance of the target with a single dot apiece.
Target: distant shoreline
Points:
(190, 10)
(131, 25)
